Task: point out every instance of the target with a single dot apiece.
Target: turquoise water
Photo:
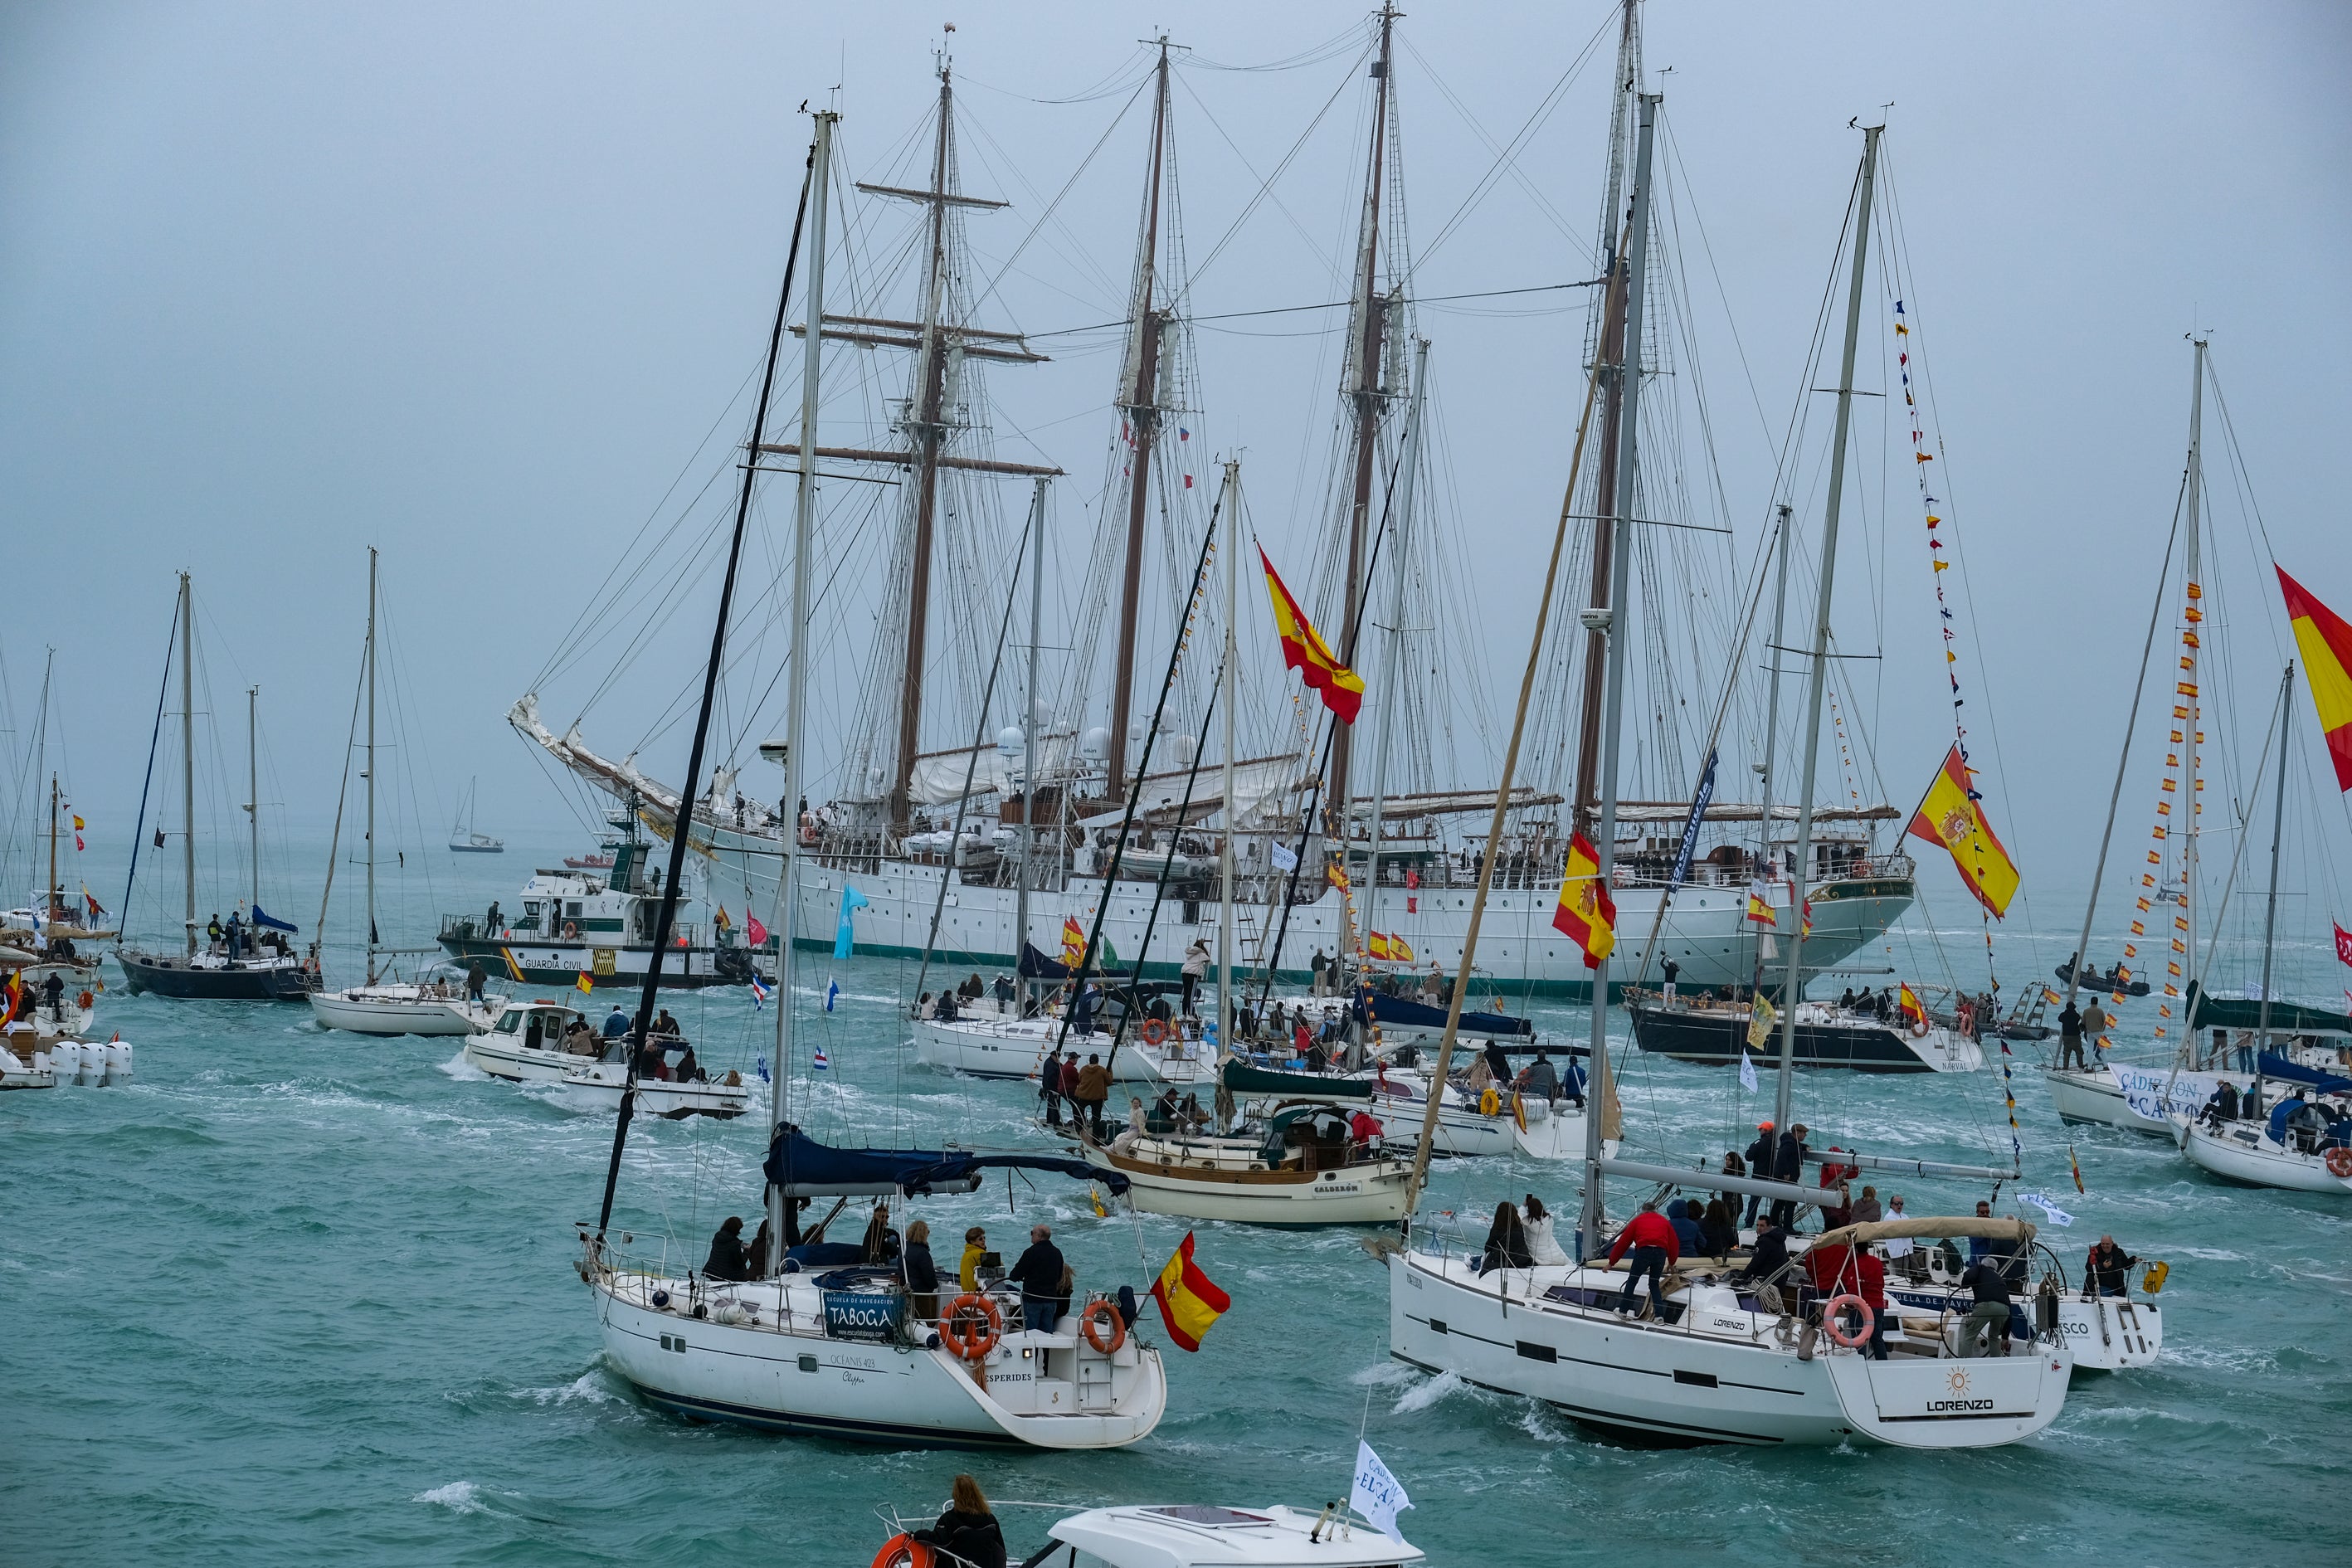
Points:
(294, 1297)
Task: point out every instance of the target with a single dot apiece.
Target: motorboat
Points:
(29, 1062)
(534, 1042)
(1827, 1037)
(1720, 1366)
(1197, 1535)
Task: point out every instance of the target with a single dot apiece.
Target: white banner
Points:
(2161, 1093)
(1377, 1496)
(2055, 1214)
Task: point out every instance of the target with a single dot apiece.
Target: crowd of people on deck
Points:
(2306, 1123)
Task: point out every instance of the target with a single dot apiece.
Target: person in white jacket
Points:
(1542, 1246)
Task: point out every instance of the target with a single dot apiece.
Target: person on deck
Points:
(1571, 1083)
(474, 980)
(1498, 1061)
(1989, 1320)
(1652, 1239)
(1049, 1087)
(616, 1023)
(1542, 1244)
(1788, 1166)
(1038, 1272)
(727, 1259)
(2094, 1024)
(1004, 990)
(1506, 1242)
(967, 1532)
(974, 988)
(1316, 967)
(1363, 1131)
(1538, 1079)
(1687, 1234)
(880, 1243)
(975, 1248)
(1765, 1262)
(1302, 1040)
(1094, 1092)
(1432, 985)
(1717, 1234)
(2070, 1037)
(1866, 1208)
(2107, 1271)
(920, 1272)
(2223, 1106)
(1160, 1120)
(1670, 969)
(1761, 1158)
(491, 919)
(1196, 966)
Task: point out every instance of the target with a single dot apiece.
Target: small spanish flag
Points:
(1337, 877)
(1908, 1005)
(2325, 643)
(1074, 942)
(1304, 650)
(1400, 949)
(15, 992)
(1188, 1301)
(1376, 944)
(514, 970)
(1587, 913)
(1760, 908)
(720, 919)
(585, 983)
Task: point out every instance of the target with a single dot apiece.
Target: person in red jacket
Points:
(1651, 1237)
(1836, 1270)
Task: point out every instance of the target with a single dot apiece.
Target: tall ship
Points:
(972, 810)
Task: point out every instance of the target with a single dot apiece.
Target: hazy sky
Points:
(472, 283)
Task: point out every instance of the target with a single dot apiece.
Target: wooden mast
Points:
(1366, 393)
(926, 434)
(1140, 409)
(1610, 355)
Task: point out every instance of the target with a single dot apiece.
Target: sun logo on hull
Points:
(1958, 1383)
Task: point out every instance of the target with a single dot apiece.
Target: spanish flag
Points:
(1950, 815)
(1586, 912)
(1304, 650)
(1074, 942)
(2327, 645)
(1376, 944)
(1908, 1004)
(13, 991)
(1760, 908)
(1400, 949)
(585, 983)
(1188, 1301)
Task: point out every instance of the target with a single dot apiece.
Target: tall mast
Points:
(1393, 657)
(2192, 732)
(371, 768)
(1140, 407)
(928, 434)
(51, 896)
(1233, 817)
(1609, 352)
(1029, 737)
(188, 751)
(2269, 911)
(1366, 394)
(1771, 722)
(1794, 990)
(1614, 617)
(817, 203)
(252, 784)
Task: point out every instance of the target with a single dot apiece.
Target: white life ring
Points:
(1834, 1325)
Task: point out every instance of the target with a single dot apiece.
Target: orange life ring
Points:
(903, 1551)
(2339, 1163)
(971, 1326)
(1920, 1029)
(1155, 1033)
(86, 1000)
(1103, 1311)
(1834, 1327)
(571, 932)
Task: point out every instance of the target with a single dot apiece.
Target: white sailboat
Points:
(463, 837)
(817, 1342)
(1713, 1365)
(385, 1005)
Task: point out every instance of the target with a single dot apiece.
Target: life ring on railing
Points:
(1099, 1310)
(1155, 1033)
(2339, 1163)
(1489, 1103)
(973, 1326)
(904, 1550)
(1835, 1326)
(310, 964)
(85, 1001)
(1919, 1028)
(571, 932)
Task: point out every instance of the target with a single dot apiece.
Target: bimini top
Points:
(804, 1168)
(1406, 1014)
(1190, 1535)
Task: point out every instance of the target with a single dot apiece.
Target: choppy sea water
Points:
(296, 1297)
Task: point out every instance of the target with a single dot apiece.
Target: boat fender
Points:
(571, 932)
(2339, 1163)
(973, 1326)
(904, 1550)
(1155, 1033)
(700, 1310)
(1833, 1319)
(1100, 1310)
(661, 1301)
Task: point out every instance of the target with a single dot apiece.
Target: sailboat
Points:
(883, 835)
(1719, 1363)
(821, 1339)
(383, 1004)
(463, 836)
(247, 962)
(2303, 1144)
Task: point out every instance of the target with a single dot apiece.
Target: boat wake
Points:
(457, 1497)
(463, 1071)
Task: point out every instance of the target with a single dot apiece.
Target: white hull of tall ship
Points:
(403, 1009)
(1720, 1375)
(1187, 1178)
(2245, 1153)
(595, 1088)
(774, 1365)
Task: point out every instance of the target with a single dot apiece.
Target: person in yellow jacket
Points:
(975, 1248)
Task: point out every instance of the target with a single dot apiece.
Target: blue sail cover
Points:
(262, 917)
(2275, 1066)
(1420, 1015)
(1035, 965)
(804, 1168)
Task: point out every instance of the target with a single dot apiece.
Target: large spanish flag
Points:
(1587, 913)
(1188, 1301)
(2327, 645)
(1304, 650)
(1951, 815)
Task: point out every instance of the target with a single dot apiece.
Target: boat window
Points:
(573, 908)
(530, 1037)
(508, 1022)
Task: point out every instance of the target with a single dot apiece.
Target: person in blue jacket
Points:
(1686, 1227)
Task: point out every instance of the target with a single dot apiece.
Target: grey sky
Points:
(472, 283)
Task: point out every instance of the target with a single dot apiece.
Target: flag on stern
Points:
(1188, 1301)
